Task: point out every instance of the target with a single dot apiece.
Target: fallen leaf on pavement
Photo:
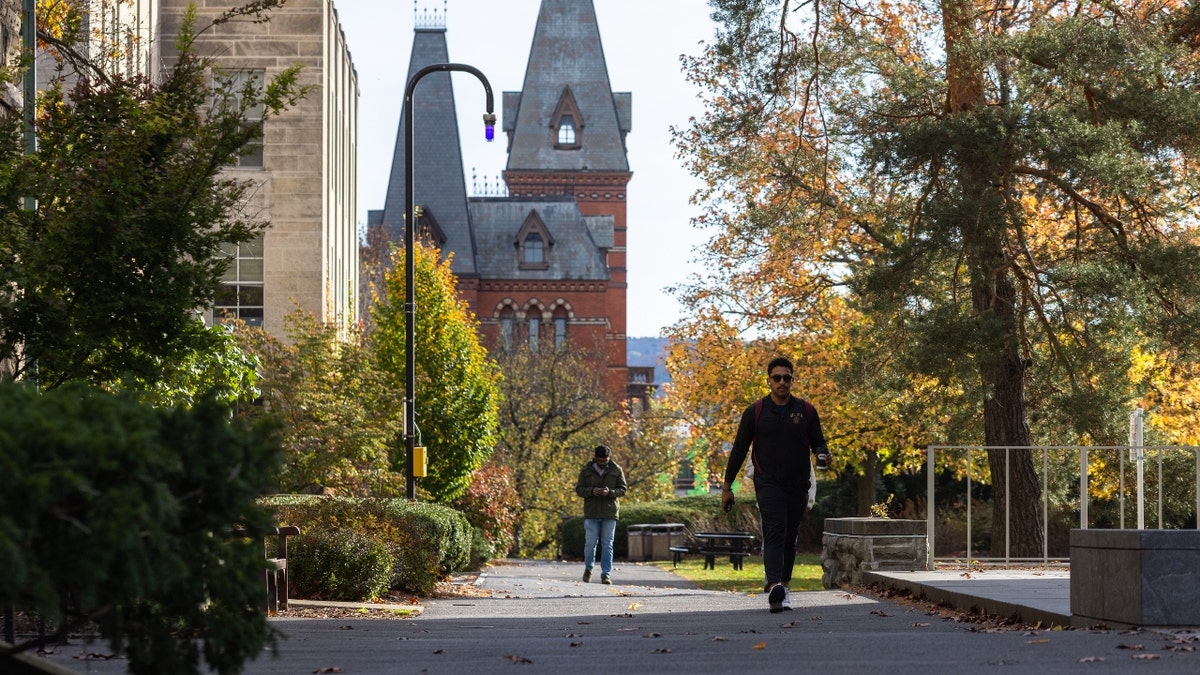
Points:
(660, 650)
(1147, 657)
(1040, 641)
(1133, 647)
(517, 659)
(1091, 659)
(576, 644)
(653, 635)
(328, 669)
(718, 638)
(761, 645)
(635, 605)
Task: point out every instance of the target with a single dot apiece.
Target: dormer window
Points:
(533, 243)
(566, 131)
(567, 122)
(533, 250)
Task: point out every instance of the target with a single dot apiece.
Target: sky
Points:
(643, 40)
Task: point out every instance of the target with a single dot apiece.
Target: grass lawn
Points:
(806, 575)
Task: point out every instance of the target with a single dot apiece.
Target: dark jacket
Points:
(784, 437)
(613, 478)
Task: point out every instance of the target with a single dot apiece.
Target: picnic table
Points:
(736, 545)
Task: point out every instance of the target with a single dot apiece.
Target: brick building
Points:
(546, 263)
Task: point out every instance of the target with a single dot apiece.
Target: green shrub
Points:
(427, 542)
(491, 505)
(339, 565)
(128, 512)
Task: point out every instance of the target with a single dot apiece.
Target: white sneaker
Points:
(775, 598)
(787, 600)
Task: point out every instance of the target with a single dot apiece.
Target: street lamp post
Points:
(410, 303)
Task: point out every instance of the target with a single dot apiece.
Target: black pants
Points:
(780, 510)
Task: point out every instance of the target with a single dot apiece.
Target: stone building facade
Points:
(305, 171)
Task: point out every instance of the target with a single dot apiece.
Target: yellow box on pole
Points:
(420, 461)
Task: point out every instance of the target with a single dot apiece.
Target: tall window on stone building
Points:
(508, 320)
(534, 322)
(240, 294)
(560, 328)
(241, 83)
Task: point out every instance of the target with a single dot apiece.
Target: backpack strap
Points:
(758, 408)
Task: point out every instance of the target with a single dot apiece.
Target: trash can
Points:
(660, 538)
(637, 542)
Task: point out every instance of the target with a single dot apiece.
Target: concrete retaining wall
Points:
(1136, 577)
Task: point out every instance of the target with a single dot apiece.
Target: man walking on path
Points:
(601, 484)
(782, 429)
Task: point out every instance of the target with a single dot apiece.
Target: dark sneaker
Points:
(587, 576)
(776, 598)
(604, 579)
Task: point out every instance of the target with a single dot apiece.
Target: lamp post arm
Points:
(410, 302)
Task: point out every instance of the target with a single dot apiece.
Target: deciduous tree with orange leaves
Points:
(1004, 195)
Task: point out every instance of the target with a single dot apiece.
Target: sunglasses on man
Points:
(782, 378)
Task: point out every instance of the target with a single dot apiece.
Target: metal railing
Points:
(1083, 452)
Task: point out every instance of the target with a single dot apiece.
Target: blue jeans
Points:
(602, 530)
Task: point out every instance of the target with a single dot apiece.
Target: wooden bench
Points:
(276, 573)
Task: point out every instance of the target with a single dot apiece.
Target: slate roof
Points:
(566, 51)
(440, 187)
(575, 255)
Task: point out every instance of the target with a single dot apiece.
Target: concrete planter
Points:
(1135, 577)
(850, 546)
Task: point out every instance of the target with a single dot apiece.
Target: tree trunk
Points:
(981, 221)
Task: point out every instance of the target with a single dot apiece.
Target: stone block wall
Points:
(850, 546)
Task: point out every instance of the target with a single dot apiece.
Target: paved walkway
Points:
(1034, 597)
(542, 619)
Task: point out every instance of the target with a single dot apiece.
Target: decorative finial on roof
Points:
(487, 187)
(427, 19)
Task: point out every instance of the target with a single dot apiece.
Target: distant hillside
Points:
(648, 351)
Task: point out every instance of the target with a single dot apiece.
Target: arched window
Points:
(560, 328)
(508, 320)
(534, 321)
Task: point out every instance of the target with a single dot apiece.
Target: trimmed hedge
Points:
(426, 542)
(339, 565)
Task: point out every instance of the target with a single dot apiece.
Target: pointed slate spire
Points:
(567, 72)
(440, 187)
